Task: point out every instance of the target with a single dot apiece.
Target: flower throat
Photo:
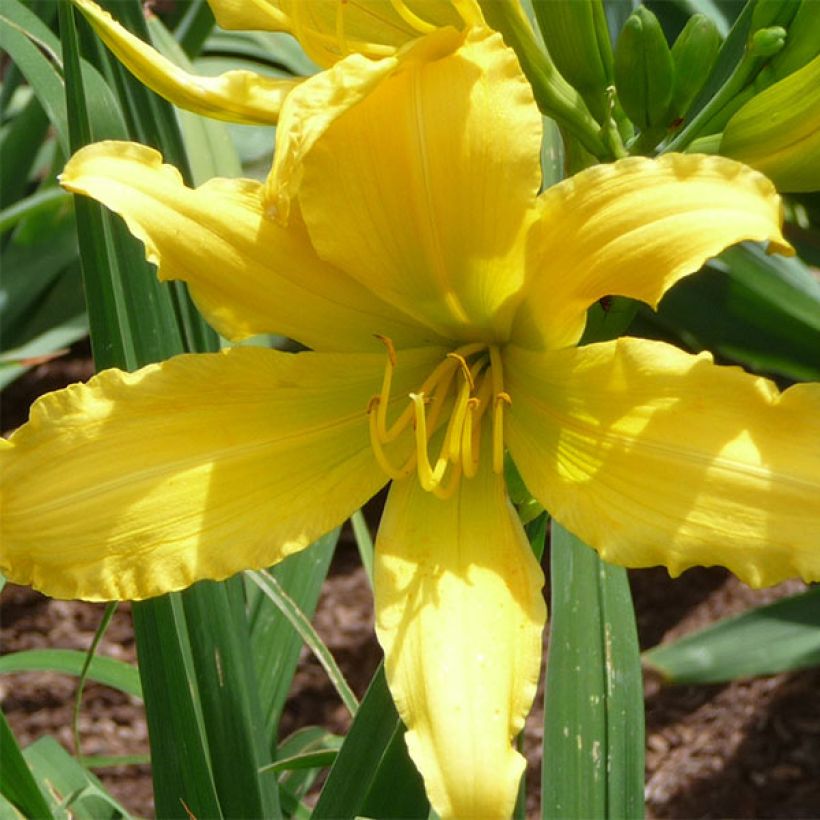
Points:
(467, 384)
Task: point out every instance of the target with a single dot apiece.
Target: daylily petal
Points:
(459, 614)
(306, 116)
(654, 456)
(247, 274)
(235, 96)
(255, 15)
(330, 30)
(634, 228)
(138, 484)
(420, 226)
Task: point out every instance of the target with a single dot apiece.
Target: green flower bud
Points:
(644, 70)
(766, 42)
(803, 42)
(694, 54)
(576, 35)
(778, 131)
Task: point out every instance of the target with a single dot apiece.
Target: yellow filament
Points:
(498, 430)
(471, 448)
(464, 368)
(469, 456)
(412, 20)
(500, 398)
(457, 419)
(446, 492)
(396, 473)
(429, 476)
(469, 13)
(341, 37)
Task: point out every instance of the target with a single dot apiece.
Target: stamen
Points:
(464, 368)
(340, 28)
(387, 384)
(498, 431)
(429, 477)
(471, 449)
(460, 444)
(412, 20)
(468, 12)
(500, 398)
(452, 439)
(396, 473)
(469, 458)
(446, 492)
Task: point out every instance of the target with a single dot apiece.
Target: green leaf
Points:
(20, 143)
(762, 311)
(300, 758)
(271, 587)
(46, 200)
(194, 27)
(41, 74)
(593, 711)
(275, 643)
(232, 717)
(183, 781)
(370, 762)
(276, 50)
(780, 637)
(108, 671)
(81, 796)
(17, 783)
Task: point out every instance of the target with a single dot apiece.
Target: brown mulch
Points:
(748, 749)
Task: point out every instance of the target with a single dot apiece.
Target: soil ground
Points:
(748, 749)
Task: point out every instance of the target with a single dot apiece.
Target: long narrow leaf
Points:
(593, 713)
(369, 746)
(231, 712)
(273, 589)
(108, 671)
(780, 637)
(81, 796)
(17, 783)
(275, 643)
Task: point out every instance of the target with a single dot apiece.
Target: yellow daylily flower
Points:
(442, 297)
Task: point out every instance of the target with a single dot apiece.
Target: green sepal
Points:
(644, 70)
(694, 54)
